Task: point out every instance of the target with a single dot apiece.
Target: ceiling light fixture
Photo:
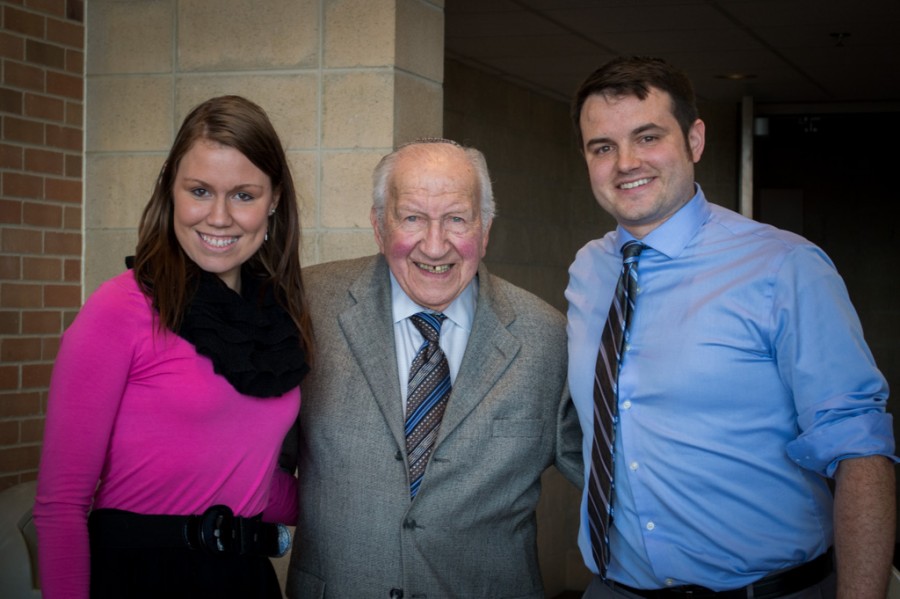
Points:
(736, 76)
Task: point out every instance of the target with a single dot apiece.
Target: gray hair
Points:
(384, 172)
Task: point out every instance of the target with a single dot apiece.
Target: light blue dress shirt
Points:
(454, 331)
(745, 380)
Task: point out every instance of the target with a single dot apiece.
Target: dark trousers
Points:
(180, 573)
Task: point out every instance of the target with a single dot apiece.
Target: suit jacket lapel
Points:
(367, 326)
(489, 352)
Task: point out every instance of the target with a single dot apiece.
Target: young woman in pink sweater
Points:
(177, 382)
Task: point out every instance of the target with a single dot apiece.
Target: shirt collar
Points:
(461, 311)
(671, 237)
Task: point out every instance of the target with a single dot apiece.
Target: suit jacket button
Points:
(409, 524)
(396, 594)
(398, 456)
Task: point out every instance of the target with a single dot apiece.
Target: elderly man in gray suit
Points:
(437, 399)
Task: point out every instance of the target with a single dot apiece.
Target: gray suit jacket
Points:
(471, 530)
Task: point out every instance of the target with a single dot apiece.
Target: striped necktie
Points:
(600, 487)
(428, 392)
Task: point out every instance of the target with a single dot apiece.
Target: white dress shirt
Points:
(454, 331)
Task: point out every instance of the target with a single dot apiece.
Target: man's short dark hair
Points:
(634, 76)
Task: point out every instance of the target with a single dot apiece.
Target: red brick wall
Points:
(41, 120)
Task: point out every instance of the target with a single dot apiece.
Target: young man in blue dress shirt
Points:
(744, 385)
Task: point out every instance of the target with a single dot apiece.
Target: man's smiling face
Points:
(432, 235)
(640, 163)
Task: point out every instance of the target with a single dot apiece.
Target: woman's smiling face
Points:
(222, 204)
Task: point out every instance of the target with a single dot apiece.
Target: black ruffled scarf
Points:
(251, 340)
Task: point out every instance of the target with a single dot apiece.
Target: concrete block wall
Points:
(41, 101)
(85, 128)
(342, 80)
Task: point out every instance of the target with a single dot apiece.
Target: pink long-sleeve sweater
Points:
(138, 421)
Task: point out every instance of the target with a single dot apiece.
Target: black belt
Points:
(778, 584)
(217, 531)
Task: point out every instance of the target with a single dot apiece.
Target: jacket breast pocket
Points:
(517, 427)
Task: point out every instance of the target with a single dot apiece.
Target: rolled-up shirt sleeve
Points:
(839, 393)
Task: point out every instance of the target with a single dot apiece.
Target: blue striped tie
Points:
(429, 390)
(601, 487)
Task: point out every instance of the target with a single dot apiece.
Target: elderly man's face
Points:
(432, 235)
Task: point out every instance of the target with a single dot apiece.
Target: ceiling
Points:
(792, 51)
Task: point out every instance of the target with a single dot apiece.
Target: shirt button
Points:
(626, 405)
(633, 465)
(669, 582)
(651, 525)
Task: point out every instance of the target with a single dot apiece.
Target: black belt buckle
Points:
(213, 530)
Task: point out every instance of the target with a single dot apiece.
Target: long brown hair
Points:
(163, 270)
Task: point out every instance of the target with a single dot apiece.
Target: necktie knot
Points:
(429, 324)
(631, 250)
